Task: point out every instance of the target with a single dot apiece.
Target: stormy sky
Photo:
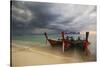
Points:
(37, 17)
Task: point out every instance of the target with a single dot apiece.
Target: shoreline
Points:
(23, 55)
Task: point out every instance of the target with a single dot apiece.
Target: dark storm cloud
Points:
(41, 13)
(35, 17)
(30, 15)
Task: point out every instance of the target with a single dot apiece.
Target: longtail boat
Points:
(69, 43)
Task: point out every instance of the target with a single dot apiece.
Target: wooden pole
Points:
(63, 40)
(85, 42)
(46, 37)
(87, 35)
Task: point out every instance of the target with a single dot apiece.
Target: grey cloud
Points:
(28, 17)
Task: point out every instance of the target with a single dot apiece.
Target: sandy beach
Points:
(25, 55)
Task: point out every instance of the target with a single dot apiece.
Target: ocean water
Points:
(40, 40)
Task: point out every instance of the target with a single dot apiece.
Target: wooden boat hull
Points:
(71, 44)
(54, 43)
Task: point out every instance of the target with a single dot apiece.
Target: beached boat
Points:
(69, 42)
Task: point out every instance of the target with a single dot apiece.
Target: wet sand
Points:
(25, 55)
